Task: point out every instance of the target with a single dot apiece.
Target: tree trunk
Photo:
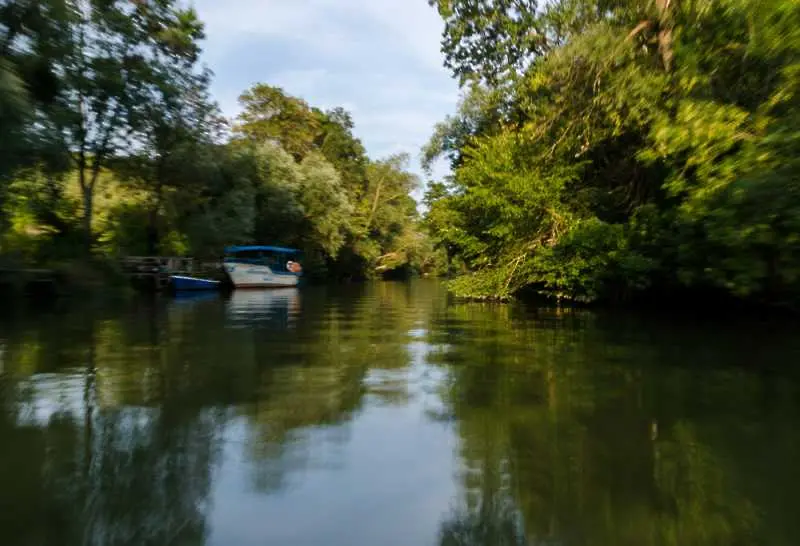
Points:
(665, 32)
(87, 194)
(152, 234)
(87, 218)
(375, 203)
(152, 224)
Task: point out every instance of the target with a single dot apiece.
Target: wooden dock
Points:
(149, 273)
(154, 271)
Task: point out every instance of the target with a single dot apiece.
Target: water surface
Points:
(384, 414)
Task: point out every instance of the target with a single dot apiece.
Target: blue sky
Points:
(379, 59)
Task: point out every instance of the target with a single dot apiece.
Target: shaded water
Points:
(385, 415)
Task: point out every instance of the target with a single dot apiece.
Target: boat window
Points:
(275, 260)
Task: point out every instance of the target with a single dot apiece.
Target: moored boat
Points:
(261, 266)
(181, 282)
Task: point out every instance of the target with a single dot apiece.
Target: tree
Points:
(354, 211)
(490, 40)
(342, 149)
(628, 154)
(270, 115)
(174, 132)
(481, 112)
(117, 65)
(279, 211)
(13, 104)
(32, 36)
(387, 201)
(326, 207)
(12, 114)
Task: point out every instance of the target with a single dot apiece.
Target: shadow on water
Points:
(386, 414)
(595, 428)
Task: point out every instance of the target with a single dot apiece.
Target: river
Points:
(386, 414)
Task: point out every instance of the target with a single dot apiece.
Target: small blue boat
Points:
(180, 282)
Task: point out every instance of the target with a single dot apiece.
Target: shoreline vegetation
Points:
(611, 154)
(112, 146)
(621, 152)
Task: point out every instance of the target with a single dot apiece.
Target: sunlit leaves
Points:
(272, 115)
(104, 104)
(685, 110)
(348, 203)
(325, 204)
(489, 40)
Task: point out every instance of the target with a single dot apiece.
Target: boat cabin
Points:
(278, 259)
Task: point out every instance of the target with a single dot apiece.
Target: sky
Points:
(379, 59)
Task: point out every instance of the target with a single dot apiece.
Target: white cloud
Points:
(379, 59)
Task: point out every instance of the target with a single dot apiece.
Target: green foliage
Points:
(488, 40)
(593, 260)
(111, 143)
(270, 115)
(355, 215)
(325, 205)
(339, 146)
(638, 147)
(27, 85)
(480, 112)
(13, 107)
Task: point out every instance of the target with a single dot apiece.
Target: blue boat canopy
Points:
(234, 249)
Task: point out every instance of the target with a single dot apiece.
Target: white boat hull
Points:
(244, 275)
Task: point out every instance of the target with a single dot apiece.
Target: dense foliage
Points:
(608, 150)
(110, 144)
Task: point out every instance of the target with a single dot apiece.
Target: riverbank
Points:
(100, 278)
(687, 300)
(79, 279)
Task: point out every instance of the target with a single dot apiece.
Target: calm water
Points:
(385, 415)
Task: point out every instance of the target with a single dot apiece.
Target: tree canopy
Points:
(111, 144)
(611, 150)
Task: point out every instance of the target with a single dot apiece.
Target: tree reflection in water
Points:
(573, 428)
(92, 463)
(119, 419)
(574, 432)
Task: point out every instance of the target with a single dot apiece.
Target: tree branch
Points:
(638, 29)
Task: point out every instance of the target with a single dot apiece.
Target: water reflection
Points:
(76, 473)
(576, 431)
(274, 307)
(383, 414)
(189, 297)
